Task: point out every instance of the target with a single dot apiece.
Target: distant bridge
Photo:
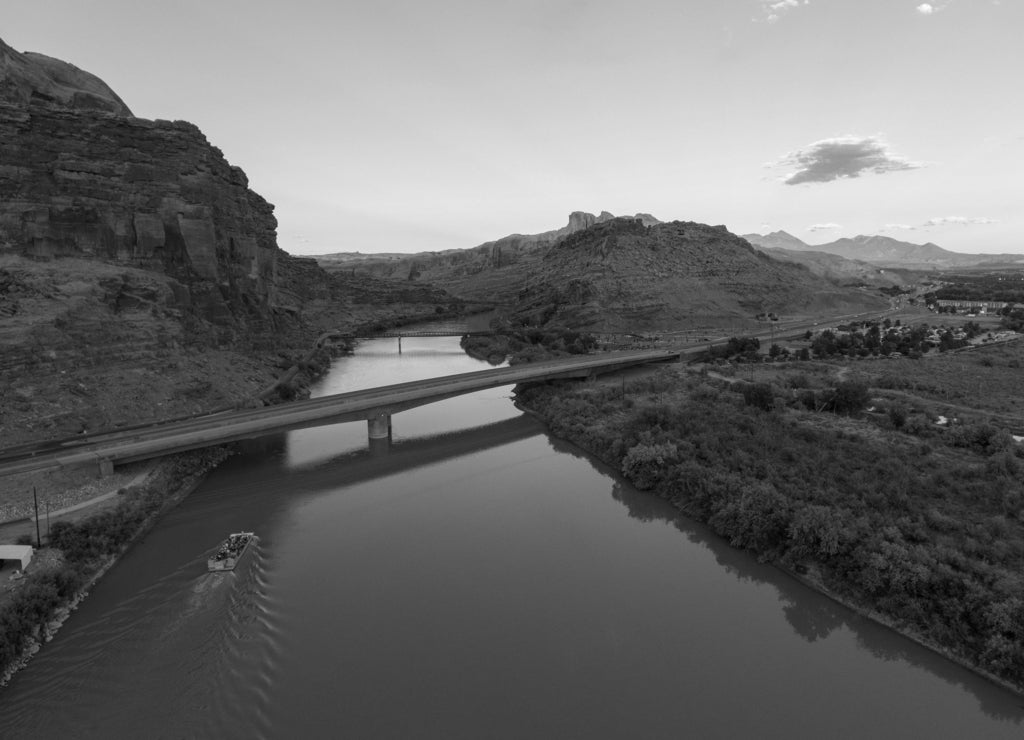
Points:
(398, 334)
(375, 405)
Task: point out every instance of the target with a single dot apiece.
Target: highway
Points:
(154, 440)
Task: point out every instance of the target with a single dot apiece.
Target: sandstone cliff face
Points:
(81, 178)
(28, 76)
(140, 277)
(149, 194)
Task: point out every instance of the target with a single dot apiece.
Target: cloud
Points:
(941, 221)
(842, 156)
(933, 8)
(824, 227)
(957, 221)
(772, 10)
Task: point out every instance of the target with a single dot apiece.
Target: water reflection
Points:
(812, 615)
(351, 467)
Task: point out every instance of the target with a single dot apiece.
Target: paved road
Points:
(155, 440)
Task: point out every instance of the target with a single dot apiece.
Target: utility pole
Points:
(35, 500)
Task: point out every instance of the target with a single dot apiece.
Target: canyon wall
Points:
(80, 177)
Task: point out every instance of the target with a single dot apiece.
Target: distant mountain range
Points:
(881, 251)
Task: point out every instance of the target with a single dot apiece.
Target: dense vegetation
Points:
(857, 339)
(994, 286)
(86, 547)
(1013, 318)
(922, 524)
(521, 343)
(873, 339)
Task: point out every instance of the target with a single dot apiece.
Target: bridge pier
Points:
(399, 345)
(106, 467)
(379, 427)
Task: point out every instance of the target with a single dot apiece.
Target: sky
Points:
(423, 125)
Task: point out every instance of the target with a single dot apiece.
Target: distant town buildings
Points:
(972, 306)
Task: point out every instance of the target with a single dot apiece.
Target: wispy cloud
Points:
(925, 8)
(956, 221)
(824, 227)
(842, 157)
(942, 221)
(772, 10)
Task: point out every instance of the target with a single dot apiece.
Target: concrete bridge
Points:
(398, 334)
(375, 405)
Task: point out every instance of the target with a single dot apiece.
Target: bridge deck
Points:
(176, 436)
(399, 334)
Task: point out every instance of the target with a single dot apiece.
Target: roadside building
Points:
(20, 554)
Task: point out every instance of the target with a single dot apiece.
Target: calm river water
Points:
(481, 580)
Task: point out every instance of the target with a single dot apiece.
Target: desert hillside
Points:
(624, 276)
(493, 271)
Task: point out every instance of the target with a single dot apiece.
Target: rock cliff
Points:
(28, 76)
(78, 179)
(140, 276)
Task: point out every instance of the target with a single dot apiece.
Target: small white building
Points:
(21, 554)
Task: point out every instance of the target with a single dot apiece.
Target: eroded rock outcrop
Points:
(80, 177)
(28, 76)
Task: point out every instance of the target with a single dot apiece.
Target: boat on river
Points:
(230, 551)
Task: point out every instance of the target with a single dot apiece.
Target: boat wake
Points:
(202, 651)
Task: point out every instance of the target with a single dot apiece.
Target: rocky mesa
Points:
(492, 271)
(623, 275)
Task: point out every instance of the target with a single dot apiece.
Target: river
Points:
(479, 580)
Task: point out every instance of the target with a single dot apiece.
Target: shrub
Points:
(645, 464)
(798, 380)
(759, 395)
(849, 397)
(917, 425)
(897, 415)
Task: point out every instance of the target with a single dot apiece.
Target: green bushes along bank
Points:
(920, 525)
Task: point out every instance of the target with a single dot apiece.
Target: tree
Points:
(645, 464)
(759, 395)
(849, 397)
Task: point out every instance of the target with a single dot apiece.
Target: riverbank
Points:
(82, 552)
(97, 523)
(854, 511)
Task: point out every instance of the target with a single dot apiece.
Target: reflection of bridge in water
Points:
(402, 455)
(375, 405)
